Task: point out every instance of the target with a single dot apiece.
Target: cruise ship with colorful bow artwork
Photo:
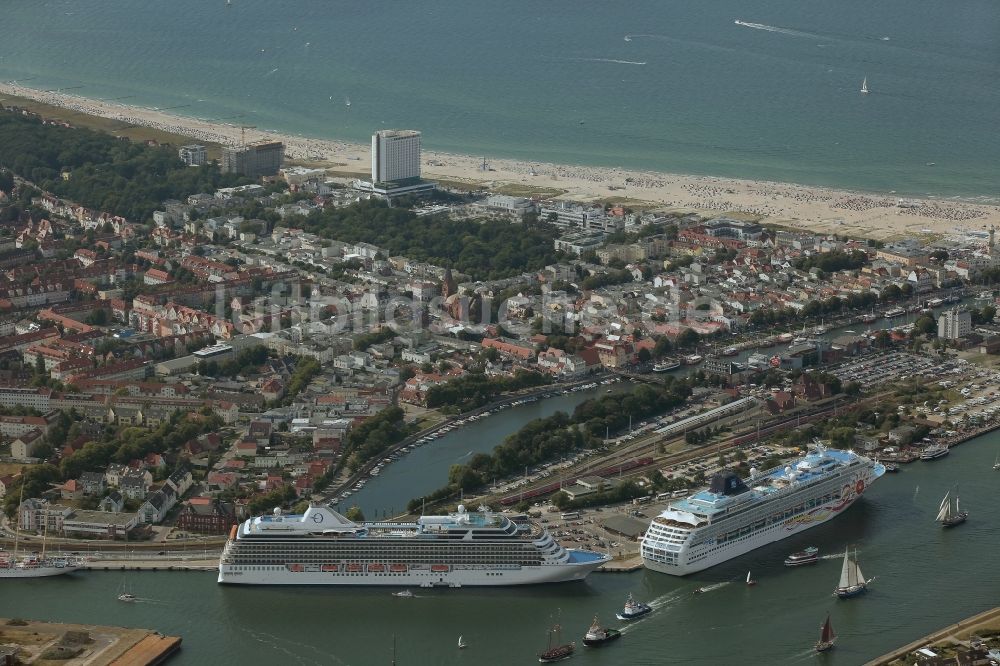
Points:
(322, 547)
(733, 516)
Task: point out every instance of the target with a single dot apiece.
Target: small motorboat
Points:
(597, 635)
(126, 597)
(806, 556)
(633, 610)
(403, 593)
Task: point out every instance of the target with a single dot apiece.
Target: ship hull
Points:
(35, 572)
(764, 537)
(469, 577)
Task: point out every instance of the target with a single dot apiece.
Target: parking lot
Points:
(872, 371)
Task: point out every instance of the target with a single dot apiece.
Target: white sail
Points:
(864, 85)
(859, 578)
(846, 571)
(944, 511)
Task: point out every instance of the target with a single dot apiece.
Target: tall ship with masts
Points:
(33, 565)
(734, 516)
(322, 547)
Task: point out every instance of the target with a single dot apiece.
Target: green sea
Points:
(668, 85)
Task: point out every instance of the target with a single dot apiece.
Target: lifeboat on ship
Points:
(376, 568)
(330, 567)
(397, 568)
(440, 568)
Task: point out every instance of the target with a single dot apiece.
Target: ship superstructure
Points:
(322, 547)
(733, 517)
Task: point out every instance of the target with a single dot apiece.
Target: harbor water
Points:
(925, 577)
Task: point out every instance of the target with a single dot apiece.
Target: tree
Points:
(644, 355)
(662, 347)
(355, 514)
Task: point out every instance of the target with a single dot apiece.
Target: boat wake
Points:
(275, 643)
(607, 60)
(711, 588)
(775, 28)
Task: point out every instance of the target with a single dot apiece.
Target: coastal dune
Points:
(821, 210)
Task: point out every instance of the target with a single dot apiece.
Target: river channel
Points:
(926, 577)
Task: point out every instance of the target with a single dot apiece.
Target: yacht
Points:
(934, 451)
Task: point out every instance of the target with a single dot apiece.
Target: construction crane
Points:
(243, 134)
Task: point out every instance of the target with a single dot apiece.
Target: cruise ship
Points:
(731, 518)
(322, 547)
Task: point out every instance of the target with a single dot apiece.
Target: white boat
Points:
(750, 581)
(462, 644)
(934, 451)
(852, 581)
(949, 513)
(996, 463)
(735, 516)
(864, 86)
(667, 365)
(322, 547)
(403, 593)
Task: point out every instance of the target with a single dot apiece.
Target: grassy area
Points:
(12, 468)
(114, 127)
(522, 190)
(628, 202)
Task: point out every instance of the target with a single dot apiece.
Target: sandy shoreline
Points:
(818, 209)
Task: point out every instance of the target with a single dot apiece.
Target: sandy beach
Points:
(885, 217)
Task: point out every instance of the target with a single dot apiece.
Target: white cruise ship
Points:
(322, 547)
(730, 519)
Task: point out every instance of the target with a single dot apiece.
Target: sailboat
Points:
(557, 650)
(33, 566)
(852, 581)
(750, 581)
(124, 594)
(864, 86)
(996, 463)
(462, 644)
(949, 513)
(826, 636)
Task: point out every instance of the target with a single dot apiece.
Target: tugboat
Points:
(949, 514)
(597, 635)
(557, 651)
(852, 581)
(809, 555)
(633, 610)
(826, 637)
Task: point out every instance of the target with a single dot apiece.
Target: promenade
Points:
(958, 634)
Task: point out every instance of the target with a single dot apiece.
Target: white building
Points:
(954, 324)
(395, 155)
(193, 155)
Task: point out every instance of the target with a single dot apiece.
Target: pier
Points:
(152, 565)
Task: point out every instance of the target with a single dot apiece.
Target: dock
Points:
(85, 644)
(954, 636)
(621, 566)
(152, 565)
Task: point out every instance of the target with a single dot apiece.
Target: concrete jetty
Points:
(31, 641)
